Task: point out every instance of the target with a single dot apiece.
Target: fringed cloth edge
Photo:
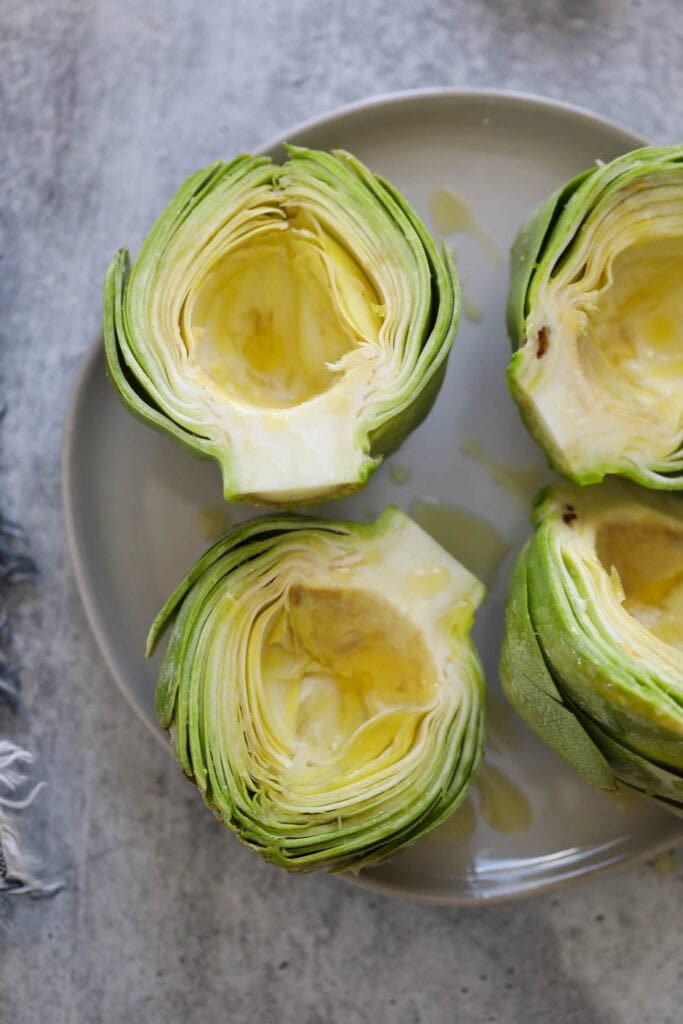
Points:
(16, 867)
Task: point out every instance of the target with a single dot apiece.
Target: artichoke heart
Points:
(595, 311)
(593, 649)
(290, 322)
(321, 687)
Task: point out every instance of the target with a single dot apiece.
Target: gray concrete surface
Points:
(105, 107)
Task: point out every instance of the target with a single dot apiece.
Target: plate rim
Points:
(376, 102)
(513, 97)
(479, 899)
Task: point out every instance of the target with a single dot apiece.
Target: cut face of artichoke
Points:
(291, 322)
(593, 649)
(321, 687)
(596, 312)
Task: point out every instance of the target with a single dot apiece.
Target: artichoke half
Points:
(593, 649)
(595, 310)
(321, 688)
(291, 322)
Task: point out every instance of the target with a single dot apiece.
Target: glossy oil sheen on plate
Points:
(136, 505)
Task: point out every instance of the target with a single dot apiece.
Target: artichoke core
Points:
(271, 321)
(350, 677)
(635, 331)
(648, 556)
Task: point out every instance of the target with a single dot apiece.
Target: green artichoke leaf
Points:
(291, 322)
(595, 314)
(594, 621)
(321, 687)
(575, 616)
(531, 689)
(524, 255)
(637, 772)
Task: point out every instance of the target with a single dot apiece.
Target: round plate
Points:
(139, 510)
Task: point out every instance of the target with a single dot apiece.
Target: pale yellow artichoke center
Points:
(634, 333)
(272, 320)
(648, 556)
(348, 679)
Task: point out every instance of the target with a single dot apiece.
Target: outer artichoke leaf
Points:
(121, 376)
(321, 687)
(649, 778)
(533, 693)
(407, 415)
(526, 253)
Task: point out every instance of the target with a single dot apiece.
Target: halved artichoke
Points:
(321, 688)
(593, 650)
(595, 310)
(291, 322)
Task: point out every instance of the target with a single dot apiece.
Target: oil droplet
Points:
(342, 573)
(522, 482)
(665, 864)
(427, 582)
(502, 731)
(457, 828)
(451, 213)
(212, 522)
(472, 311)
(503, 805)
(471, 540)
(400, 474)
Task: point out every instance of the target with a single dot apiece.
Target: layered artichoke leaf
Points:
(321, 687)
(291, 322)
(592, 654)
(595, 311)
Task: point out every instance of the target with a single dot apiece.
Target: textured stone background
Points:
(105, 108)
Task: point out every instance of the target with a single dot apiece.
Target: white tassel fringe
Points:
(16, 868)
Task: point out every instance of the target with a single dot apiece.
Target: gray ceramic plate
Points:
(139, 510)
